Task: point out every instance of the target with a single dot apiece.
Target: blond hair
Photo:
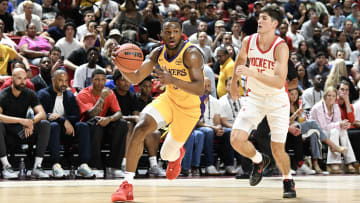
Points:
(337, 71)
(28, 3)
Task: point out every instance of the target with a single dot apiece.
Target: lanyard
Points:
(332, 116)
(235, 106)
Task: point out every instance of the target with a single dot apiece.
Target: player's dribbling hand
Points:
(162, 75)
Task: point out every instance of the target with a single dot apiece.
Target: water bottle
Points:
(72, 174)
(22, 170)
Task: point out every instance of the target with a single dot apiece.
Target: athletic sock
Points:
(257, 158)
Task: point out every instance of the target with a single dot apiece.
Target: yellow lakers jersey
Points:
(176, 67)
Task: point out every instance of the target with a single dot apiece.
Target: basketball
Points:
(129, 57)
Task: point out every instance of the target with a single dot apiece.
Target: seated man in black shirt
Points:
(16, 129)
(79, 57)
(43, 79)
(5, 16)
(131, 107)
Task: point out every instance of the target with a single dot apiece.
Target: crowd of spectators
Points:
(56, 64)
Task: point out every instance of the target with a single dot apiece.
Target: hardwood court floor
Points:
(309, 189)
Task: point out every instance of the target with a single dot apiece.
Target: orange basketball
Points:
(129, 57)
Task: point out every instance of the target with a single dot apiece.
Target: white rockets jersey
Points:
(262, 61)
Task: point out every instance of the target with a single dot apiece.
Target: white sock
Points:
(153, 161)
(129, 177)
(123, 163)
(288, 176)
(257, 158)
(4, 161)
(38, 161)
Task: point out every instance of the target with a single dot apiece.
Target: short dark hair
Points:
(3, 0)
(92, 49)
(54, 49)
(172, 20)
(223, 49)
(344, 82)
(98, 72)
(320, 54)
(70, 24)
(59, 14)
(274, 12)
(148, 78)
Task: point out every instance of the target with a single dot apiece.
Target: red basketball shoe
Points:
(124, 193)
(174, 167)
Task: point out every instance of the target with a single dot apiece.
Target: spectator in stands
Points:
(308, 27)
(202, 27)
(191, 161)
(294, 35)
(95, 103)
(166, 7)
(208, 16)
(354, 13)
(347, 7)
(68, 43)
(210, 125)
(283, 29)
(152, 22)
(355, 54)
(6, 17)
(303, 80)
(303, 54)
(49, 13)
(79, 57)
(146, 43)
(236, 35)
(226, 70)
(5, 40)
(206, 49)
(36, 11)
(347, 113)
(318, 67)
(129, 18)
(313, 95)
(8, 54)
(190, 26)
(6, 81)
(291, 9)
(94, 28)
(63, 114)
(355, 70)
(317, 44)
(34, 47)
(56, 31)
(16, 128)
(209, 73)
(328, 115)
(83, 29)
(340, 44)
(83, 74)
(43, 79)
(108, 52)
(105, 10)
(338, 71)
(21, 21)
(337, 20)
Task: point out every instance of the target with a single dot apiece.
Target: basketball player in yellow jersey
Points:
(266, 73)
(178, 65)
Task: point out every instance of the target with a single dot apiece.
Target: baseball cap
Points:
(295, 21)
(210, 5)
(257, 3)
(354, 5)
(337, 5)
(219, 23)
(114, 32)
(89, 34)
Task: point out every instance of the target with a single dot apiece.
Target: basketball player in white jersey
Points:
(266, 73)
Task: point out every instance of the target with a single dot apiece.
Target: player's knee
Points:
(143, 128)
(278, 150)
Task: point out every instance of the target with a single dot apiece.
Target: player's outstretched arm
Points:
(240, 60)
(145, 68)
(194, 61)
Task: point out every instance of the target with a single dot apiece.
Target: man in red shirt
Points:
(100, 109)
(347, 112)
